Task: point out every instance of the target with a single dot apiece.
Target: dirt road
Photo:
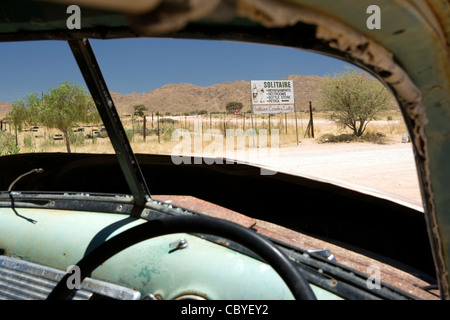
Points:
(387, 168)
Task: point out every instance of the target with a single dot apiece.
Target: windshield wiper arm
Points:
(93, 77)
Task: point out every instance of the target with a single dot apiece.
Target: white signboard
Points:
(272, 96)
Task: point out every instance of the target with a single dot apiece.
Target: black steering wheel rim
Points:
(290, 273)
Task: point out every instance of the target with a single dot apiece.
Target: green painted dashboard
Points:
(202, 269)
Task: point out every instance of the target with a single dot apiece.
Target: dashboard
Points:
(173, 266)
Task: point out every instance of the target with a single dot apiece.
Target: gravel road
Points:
(388, 168)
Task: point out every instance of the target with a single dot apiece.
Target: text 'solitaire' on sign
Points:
(272, 96)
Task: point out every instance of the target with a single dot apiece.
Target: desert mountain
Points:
(186, 97)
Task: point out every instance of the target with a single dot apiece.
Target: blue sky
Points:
(142, 65)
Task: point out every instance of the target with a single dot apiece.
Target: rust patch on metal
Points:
(389, 274)
(171, 16)
(202, 206)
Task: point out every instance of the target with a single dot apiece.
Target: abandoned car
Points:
(133, 225)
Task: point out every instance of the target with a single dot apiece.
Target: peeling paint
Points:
(172, 16)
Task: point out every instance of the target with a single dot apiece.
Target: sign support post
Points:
(311, 119)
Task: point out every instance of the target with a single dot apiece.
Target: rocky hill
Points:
(5, 107)
(186, 97)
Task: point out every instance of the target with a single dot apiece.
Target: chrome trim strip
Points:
(22, 280)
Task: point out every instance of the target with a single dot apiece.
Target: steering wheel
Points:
(290, 273)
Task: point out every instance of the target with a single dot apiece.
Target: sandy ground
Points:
(387, 169)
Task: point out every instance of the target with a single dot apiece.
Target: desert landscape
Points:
(380, 163)
(178, 98)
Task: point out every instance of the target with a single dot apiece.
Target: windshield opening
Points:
(200, 102)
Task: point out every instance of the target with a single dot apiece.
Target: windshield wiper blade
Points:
(93, 77)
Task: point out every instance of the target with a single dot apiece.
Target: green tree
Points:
(20, 113)
(232, 106)
(139, 110)
(62, 108)
(354, 98)
(65, 106)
